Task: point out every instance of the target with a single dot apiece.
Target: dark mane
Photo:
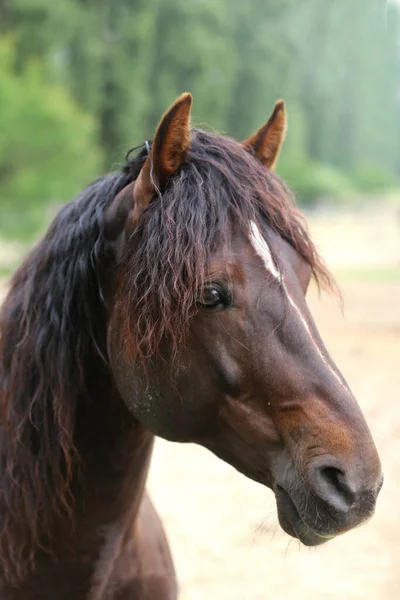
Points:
(52, 324)
(53, 321)
(165, 260)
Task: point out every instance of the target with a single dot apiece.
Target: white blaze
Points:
(308, 330)
(262, 249)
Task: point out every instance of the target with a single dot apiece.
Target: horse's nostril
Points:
(332, 485)
(338, 481)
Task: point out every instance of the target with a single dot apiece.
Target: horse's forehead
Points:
(252, 244)
(255, 249)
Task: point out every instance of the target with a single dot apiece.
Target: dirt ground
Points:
(223, 528)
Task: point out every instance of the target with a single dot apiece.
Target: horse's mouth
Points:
(292, 523)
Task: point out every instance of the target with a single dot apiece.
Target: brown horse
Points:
(168, 300)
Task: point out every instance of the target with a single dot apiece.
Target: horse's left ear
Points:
(266, 143)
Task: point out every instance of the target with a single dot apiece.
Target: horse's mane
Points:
(52, 324)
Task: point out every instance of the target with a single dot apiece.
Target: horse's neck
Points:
(115, 452)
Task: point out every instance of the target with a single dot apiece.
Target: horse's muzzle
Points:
(327, 502)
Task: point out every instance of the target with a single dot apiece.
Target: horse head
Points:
(209, 334)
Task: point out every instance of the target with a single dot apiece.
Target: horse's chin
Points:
(292, 523)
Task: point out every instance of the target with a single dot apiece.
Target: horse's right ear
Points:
(168, 152)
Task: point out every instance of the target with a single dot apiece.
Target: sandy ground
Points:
(222, 527)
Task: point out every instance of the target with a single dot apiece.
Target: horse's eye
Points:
(213, 298)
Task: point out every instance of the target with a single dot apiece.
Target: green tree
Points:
(47, 150)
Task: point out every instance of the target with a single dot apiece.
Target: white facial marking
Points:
(307, 328)
(262, 249)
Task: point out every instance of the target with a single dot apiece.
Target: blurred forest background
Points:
(82, 81)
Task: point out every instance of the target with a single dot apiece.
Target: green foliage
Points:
(372, 177)
(47, 150)
(81, 81)
(312, 181)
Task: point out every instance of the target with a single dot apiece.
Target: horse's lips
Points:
(292, 523)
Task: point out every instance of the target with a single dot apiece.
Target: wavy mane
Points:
(53, 322)
(52, 328)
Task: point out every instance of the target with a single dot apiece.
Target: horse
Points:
(168, 300)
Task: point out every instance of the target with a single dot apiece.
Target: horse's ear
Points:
(172, 139)
(168, 152)
(266, 143)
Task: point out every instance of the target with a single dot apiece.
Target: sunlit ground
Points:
(222, 527)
